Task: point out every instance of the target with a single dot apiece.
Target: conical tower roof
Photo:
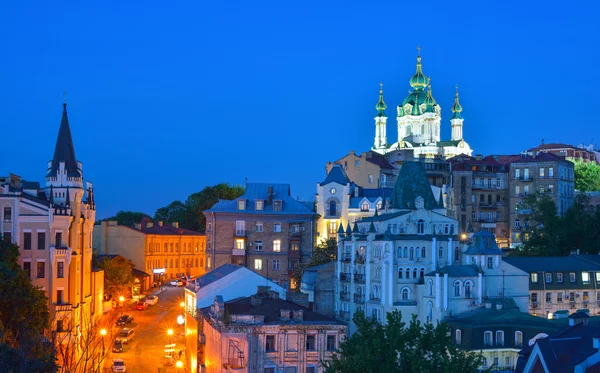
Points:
(411, 183)
(64, 151)
(381, 106)
(456, 108)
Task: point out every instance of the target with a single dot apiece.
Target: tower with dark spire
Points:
(380, 122)
(457, 120)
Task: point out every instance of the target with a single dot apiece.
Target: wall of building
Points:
(362, 172)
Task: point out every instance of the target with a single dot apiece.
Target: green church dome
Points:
(456, 108)
(419, 80)
(381, 106)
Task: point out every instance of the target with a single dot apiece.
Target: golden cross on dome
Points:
(380, 85)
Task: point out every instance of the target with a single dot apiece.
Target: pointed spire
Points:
(456, 108)
(348, 229)
(376, 212)
(68, 199)
(381, 106)
(355, 228)
(441, 199)
(372, 228)
(429, 101)
(64, 150)
(341, 229)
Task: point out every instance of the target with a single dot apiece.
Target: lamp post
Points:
(170, 334)
(121, 299)
(103, 333)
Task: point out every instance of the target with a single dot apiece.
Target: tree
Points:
(587, 176)
(192, 217)
(118, 278)
(173, 212)
(396, 347)
(128, 218)
(324, 252)
(24, 318)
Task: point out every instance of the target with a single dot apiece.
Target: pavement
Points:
(145, 354)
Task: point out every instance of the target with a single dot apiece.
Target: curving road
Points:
(145, 354)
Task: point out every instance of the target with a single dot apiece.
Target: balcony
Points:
(345, 277)
(346, 257)
(486, 186)
(484, 205)
(360, 259)
(294, 254)
(345, 295)
(359, 278)
(524, 179)
(239, 252)
(359, 298)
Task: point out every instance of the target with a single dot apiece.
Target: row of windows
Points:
(259, 205)
(562, 296)
(41, 269)
(240, 244)
(525, 175)
(548, 277)
(240, 227)
(275, 264)
(174, 263)
(174, 247)
(292, 342)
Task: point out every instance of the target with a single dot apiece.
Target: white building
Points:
(410, 258)
(419, 120)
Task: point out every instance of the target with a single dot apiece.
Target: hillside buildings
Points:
(265, 230)
(52, 224)
(164, 251)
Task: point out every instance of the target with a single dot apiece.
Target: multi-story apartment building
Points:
(265, 334)
(479, 195)
(265, 230)
(164, 250)
(570, 152)
(561, 285)
(367, 170)
(532, 172)
(411, 258)
(53, 227)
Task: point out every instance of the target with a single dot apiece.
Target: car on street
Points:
(124, 320)
(117, 346)
(176, 283)
(126, 335)
(141, 306)
(151, 300)
(118, 366)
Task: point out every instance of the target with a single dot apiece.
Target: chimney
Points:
(285, 315)
(479, 157)
(138, 226)
(160, 223)
(298, 315)
(149, 224)
(175, 224)
(255, 300)
(488, 305)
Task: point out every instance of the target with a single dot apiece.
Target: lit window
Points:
(277, 245)
(241, 204)
(239, 244)
(364, 206)
(259, 205)
(257, 264)
(534, 278)
(585, 277)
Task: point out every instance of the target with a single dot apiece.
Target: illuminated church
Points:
(419, 118)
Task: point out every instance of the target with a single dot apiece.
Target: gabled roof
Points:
(217, 274)
(336, 175)
(64, 150)
(551, 264)
(411, 183)
(483, 243)
(378, 160)
(260, 191)
(458, 270)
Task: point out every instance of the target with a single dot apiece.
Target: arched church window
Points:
(423, 252)
(446, 229)
(400, 272)
(406, 251)
(468, 287)
(407, 273)
(422, 273)
(412, 253)
(332, 208)
(405, 294)
(414, 273)
(457, 288)
(420, 226)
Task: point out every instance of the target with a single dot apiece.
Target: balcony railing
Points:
(524, 178)
(486, 186)
(345, 276)
(359, 278)
(237, 251)
(359, 298)
(345, 295)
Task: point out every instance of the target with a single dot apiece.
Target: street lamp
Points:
(121, 299)
(102, 333)
(179, 364)
(182, 304)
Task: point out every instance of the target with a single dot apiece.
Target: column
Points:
(384, 283)
(390, 278)
(437, 291)
(450, 251)
(367, 275)
(479, 288)
(433, 254)
(445, 291)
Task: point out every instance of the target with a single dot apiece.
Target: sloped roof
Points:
(551, 263)
(378, 160)
(458, 270)
(483, 243)
(217, 274)
(336, 175)
(167, 230)
(411, 183)
(260, 191)
(64, 150)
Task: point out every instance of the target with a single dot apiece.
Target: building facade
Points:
(264, 334)
(537, 172)
(52, 225)
(265, 230)
(419, 119)
(164, 251)
(561, 285)
(479, 196)
(571, 153)
(411, 258)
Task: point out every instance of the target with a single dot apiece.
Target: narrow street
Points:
(146, 352)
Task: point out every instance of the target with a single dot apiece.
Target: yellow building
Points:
(165, 251)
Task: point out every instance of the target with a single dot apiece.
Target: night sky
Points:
(166, 99)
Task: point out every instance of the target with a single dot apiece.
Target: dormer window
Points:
(241, 204)
(277, 206)
(260, 205)
(364, 206)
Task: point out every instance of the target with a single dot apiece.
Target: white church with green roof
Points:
(419, 120)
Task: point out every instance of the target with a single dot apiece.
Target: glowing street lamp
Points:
(121, 299)
(170, 332)
(102, 333)
(179, 364)
(182, 304)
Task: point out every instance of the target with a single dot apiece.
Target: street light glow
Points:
(180, 320)
(463, 236)
(182, 304)
(103, 332)
(179, 364)
(170, 332)
(121, 299)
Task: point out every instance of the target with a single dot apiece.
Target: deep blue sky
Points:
(166, 99)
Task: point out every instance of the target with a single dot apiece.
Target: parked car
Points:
(176, 283)
(117, 346)
(141, 306)
(126, 335)
(151, 300)
(118, 366)
(124, 320)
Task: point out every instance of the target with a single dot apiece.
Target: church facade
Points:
(419, 119)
